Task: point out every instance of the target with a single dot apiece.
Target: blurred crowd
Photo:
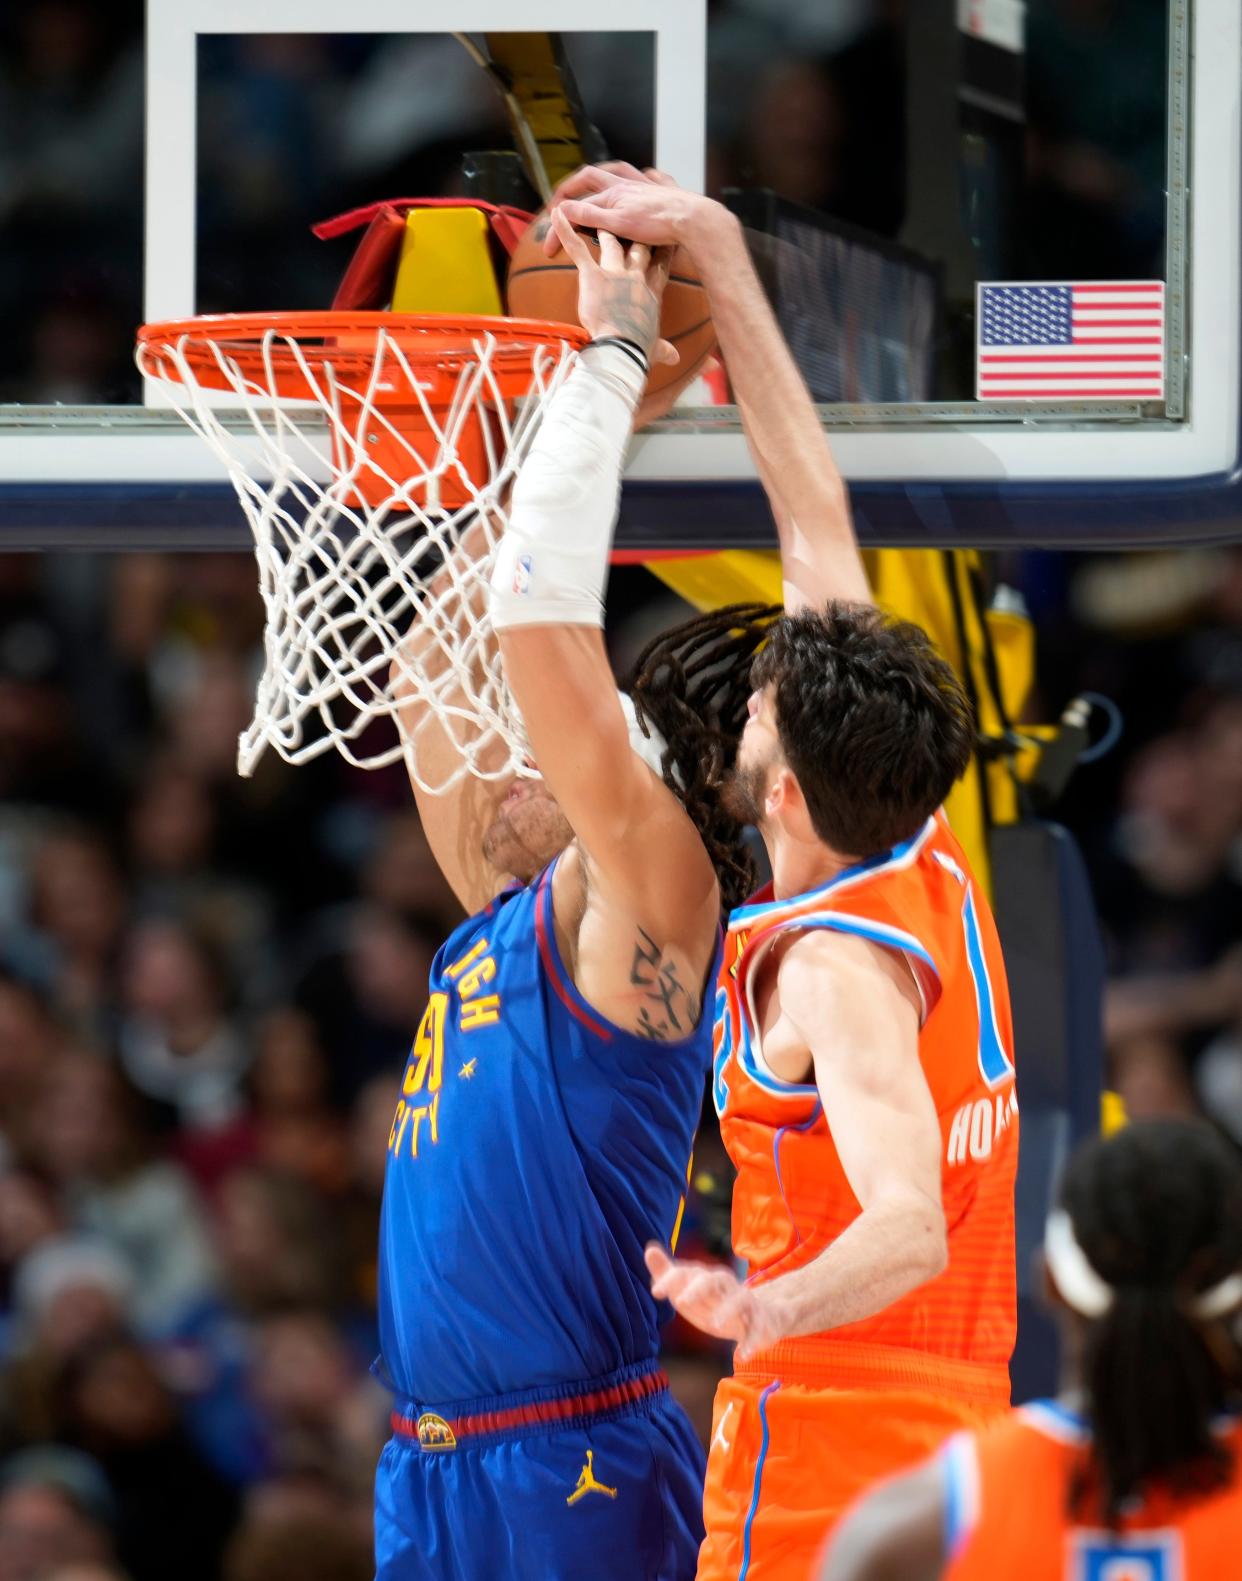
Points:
(1160, 819)
(208, 988)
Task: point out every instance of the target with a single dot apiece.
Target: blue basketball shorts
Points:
(602, 1478)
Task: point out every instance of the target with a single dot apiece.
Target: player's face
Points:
(528, 831)
(758, 752)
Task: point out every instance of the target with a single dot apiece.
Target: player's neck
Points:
(801, 865)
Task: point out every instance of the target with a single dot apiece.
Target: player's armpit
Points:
(895, 1533)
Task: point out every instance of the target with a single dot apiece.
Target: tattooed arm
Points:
(647, 867)
(668, 1008)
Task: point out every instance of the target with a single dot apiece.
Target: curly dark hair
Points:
(692, 684)
(872, 721)
(1158, 1211)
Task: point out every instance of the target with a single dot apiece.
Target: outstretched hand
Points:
(620, 293)
(646, 206)
(713, 1298)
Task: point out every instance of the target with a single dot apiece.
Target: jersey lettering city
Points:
(472, 1008)
(520, 1105)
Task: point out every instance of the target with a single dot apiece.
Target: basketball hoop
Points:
(429, 418)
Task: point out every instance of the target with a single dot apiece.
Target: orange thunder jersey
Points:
(1007, 1491)
(792, 1199)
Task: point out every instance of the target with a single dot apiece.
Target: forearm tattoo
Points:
(669, 1009)
(630, 309)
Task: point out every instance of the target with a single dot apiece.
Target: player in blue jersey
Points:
(546, 1116)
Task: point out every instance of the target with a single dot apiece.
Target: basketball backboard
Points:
(889, 155)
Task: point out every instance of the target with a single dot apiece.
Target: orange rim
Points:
(428, 342)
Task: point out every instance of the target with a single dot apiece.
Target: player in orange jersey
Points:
(1135, 1473)
(864, 1056)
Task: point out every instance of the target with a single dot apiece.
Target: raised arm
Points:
(819, 553)
(454, 820)
(547, 606)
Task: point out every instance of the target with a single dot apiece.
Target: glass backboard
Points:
(889, 157)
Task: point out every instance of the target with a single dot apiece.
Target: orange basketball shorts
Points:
(786, 1461)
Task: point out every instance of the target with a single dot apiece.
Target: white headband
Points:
(649, 744)
(1083, 1289)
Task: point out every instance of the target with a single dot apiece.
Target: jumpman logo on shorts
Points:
(718, 1436)
(587, 1483)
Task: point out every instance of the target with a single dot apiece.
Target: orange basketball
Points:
(543, 287)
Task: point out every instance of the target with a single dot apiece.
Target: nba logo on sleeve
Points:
(1107, 1556)
(522, 575)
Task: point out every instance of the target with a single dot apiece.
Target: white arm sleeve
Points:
(552, 562)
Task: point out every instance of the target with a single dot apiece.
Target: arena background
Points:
(208, 985)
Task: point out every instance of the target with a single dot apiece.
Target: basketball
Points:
(543, 287)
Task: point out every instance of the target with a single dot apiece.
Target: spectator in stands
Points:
(364, 981)
(56, 1514)
(178, 1043)
(75, 914)
(29, 1216)
(324, 1413)
(29, 1039)
(170, 1502)
(83, 1131)
(296, 1130)
(315, 1547)
(403, 876)
(276, 1245)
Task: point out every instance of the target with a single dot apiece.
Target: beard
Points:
(525, 836)
(742, 794)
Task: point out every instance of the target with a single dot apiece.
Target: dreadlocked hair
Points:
(692, 684)
(1157, 1209)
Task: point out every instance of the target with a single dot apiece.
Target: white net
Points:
(374, 570)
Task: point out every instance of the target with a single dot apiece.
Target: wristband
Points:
(623, 343)
(552, 562)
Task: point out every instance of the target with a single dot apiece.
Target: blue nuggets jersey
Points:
(534, 1150)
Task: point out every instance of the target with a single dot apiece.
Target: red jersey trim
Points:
(542, 1412)
(550, 957)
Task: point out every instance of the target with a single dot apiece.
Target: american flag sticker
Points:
(1099, 340)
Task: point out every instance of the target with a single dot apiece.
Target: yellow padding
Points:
(446, 264)
(733, 576)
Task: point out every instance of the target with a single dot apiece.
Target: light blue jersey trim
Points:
(995, 1066)
(899, 856)
(961, 1492)
(772, 1084)
(1055, 1421)
(877, 932)
(754, 1497)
